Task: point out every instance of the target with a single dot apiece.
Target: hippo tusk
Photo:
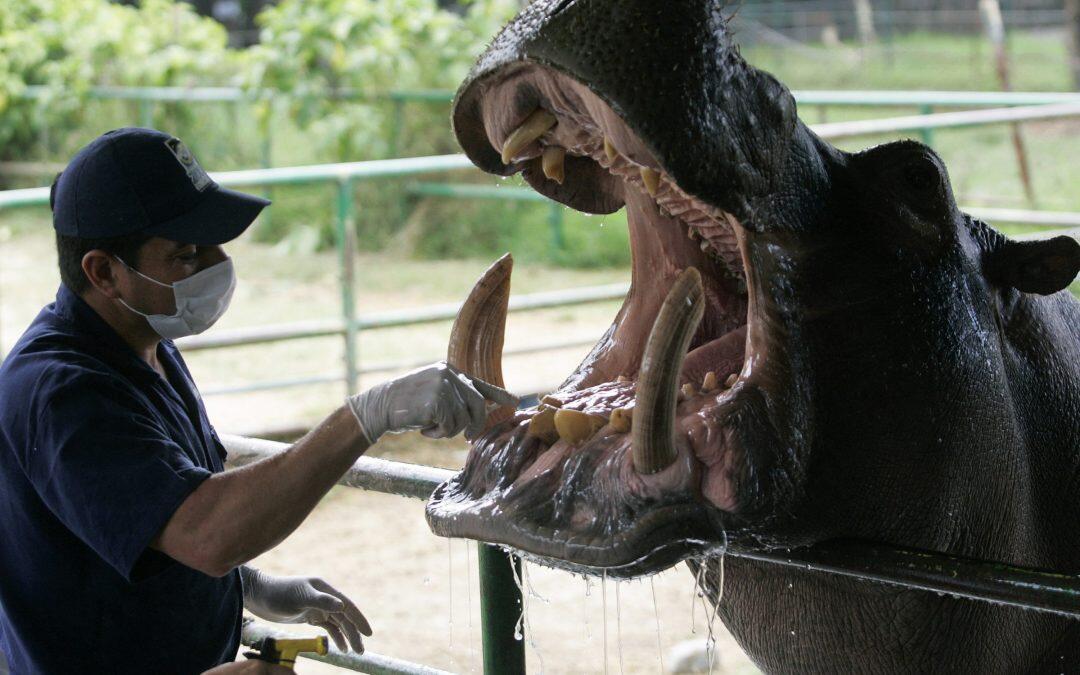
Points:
(534, 126)
(554, 163)
(658, 382)
(476, 340)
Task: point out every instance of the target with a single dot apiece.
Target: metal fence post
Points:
(500, 608)
(267, 150)
(927, 134)
(396, 125)
(146, 113)
(346, 244)
(555, 220)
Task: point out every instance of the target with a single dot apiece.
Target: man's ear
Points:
(1043, 266)
(100, 269)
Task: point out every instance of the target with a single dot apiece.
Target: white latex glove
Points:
(439, 400)
(305, 600)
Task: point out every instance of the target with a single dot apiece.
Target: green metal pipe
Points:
(346, 233)
(146, 113)
(471, 191)
(555, 222)
(840, 97)
(373, 664)
(396, 124)
(500, 610)
(927, 133)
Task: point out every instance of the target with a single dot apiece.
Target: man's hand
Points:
(439, 400)
(254, 667)
(305, 600)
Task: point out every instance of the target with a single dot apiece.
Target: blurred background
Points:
(353, 274)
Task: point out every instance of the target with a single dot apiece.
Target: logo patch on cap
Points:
(199, 178)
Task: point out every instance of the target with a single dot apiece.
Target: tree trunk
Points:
(1072, 22)
(864, 22)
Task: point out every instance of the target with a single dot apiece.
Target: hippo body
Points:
(816, 345)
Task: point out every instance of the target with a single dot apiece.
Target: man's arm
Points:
(236, 515)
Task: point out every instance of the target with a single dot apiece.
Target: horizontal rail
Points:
(475, 191)
(367, 473)
(373, 664)
(294, 175)
(397, 318)
(964, 118)
(832, 97)
(972, 99)
(1066, 218)
(1073, 232)
(385, 367)
(996, 582)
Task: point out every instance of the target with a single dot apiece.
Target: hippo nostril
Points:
(922, 174)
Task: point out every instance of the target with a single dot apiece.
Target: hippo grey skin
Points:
(883, 366)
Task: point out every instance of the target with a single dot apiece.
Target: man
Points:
(122, 538)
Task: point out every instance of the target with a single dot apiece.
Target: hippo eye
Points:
(921, 175)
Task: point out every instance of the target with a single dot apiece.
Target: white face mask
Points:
(201, 299)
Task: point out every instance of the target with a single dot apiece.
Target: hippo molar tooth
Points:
(574, 426)
(688, 390)
(621, 419)
(534, 126)
(731, 380)
(542, 425)
(709, 383)
(609, 150)
(651, 178)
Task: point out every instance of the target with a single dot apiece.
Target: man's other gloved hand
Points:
(250, 668)
(439, 400)
(305, 600)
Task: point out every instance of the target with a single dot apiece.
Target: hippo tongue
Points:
(723, 356)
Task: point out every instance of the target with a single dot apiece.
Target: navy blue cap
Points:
(141, 180)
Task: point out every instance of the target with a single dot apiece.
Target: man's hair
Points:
(71, 250)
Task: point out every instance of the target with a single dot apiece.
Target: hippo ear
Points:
(1044, 266)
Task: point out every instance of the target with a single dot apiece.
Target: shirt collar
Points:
(104, 341)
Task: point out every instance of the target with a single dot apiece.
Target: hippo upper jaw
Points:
(584, 501)
(677, 98)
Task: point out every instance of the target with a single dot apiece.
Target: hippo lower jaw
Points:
(633, 464)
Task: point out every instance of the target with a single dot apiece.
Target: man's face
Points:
(168, 262)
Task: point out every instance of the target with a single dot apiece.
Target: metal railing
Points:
(346, 175)
(1056, 592)
(146, 98)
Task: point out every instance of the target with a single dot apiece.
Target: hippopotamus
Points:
(816, 345)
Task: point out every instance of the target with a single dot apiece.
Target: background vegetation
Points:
(332, 62)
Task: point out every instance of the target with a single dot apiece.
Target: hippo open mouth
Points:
(816, 345)
(632, 464)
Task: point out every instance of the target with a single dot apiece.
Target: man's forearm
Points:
(236, 515)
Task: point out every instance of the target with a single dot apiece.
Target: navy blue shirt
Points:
(97, 451)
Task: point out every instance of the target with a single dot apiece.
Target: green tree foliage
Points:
(358, 49)
(69, 45)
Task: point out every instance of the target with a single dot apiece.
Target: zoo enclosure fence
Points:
(1017, 107)
(500, 572)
